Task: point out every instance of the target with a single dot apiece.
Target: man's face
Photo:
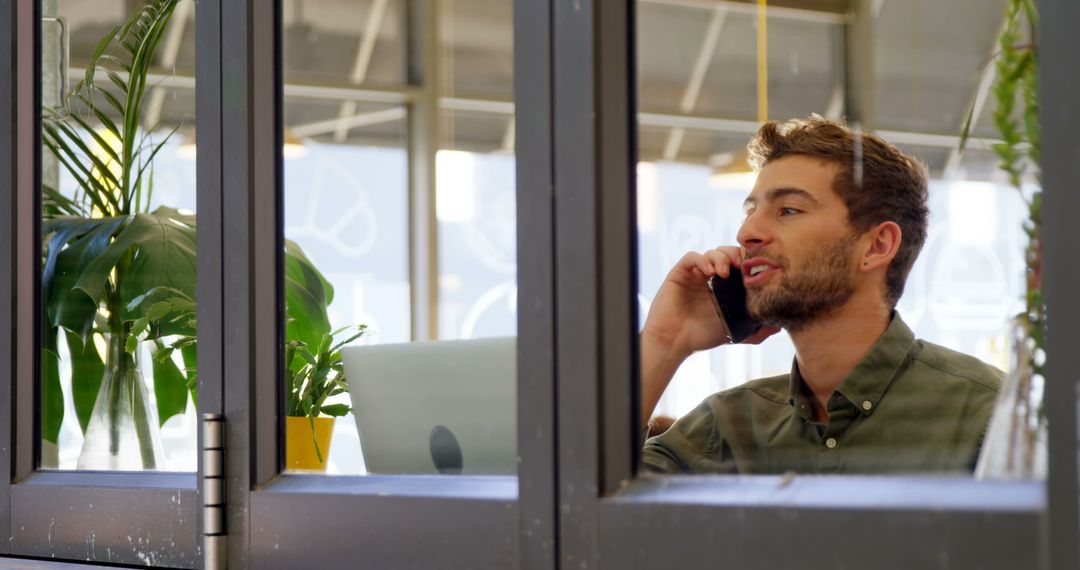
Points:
(798, 262)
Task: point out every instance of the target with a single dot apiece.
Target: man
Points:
(833, 226)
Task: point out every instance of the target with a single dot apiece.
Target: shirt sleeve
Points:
(692, 440)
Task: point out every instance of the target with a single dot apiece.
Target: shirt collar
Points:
(799, 396)
(866, 384)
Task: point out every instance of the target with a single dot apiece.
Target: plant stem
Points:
(142, 426)
(125, 369)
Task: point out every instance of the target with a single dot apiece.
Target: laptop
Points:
(445, 407)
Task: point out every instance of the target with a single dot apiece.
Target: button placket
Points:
(830, 456)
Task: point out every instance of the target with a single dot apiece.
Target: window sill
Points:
(838, 492)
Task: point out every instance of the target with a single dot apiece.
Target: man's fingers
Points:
(716, 261)
(694, 260)
(723, 258)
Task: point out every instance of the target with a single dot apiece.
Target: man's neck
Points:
(830, 348)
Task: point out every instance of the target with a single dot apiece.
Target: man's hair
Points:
(877, 181)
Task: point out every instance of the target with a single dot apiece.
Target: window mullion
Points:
(536, 411)
(8, 142)
(1060, 171)
(24, 223)
(424, 139)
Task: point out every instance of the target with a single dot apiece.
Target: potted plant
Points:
(314, 372)
(118, 276)
(104, 248)
(314, 375)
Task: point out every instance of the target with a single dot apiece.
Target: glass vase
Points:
(123, 433)
(1015, 442)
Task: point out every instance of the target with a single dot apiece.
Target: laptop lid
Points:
(436, 407)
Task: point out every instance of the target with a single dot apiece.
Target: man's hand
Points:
(682, 320)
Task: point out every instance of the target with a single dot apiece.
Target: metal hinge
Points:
(213, 491)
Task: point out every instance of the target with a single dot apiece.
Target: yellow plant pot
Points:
(300, 452)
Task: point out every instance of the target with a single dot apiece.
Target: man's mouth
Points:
(757, 270)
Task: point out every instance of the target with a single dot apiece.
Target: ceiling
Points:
(928, 58)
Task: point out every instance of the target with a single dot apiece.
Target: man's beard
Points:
(818, 287)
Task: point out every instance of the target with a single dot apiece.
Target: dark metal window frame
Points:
(429, 522)
(620, 521)
(464, 520)
(52, 514)
(1058, 100)
(576, 500)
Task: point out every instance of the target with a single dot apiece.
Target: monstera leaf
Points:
(159, 247)
(88, 366)
(307, 294)
(163, 311)
(83, 259)
(72, 245)
(162, 248)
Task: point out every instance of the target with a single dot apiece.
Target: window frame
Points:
(738, 519)
(577, 498)
(1059, 92)
(52, 514)
(239, 152)
(510, 521)
(11, 69)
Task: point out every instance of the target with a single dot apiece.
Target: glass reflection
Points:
(863, 377)
(370, 388)
(118, 237)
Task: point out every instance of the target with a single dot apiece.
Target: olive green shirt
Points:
(909, 406)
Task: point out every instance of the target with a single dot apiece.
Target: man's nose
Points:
(753, 233)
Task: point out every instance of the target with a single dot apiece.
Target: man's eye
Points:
(788, 211)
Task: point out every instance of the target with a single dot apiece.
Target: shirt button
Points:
(867, 405)
(830, 443)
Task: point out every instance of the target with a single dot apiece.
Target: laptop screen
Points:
(436, 407)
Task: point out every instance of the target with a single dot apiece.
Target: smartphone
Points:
(729, 297)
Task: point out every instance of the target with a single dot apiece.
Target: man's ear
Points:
(883, 241)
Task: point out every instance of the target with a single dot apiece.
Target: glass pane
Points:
(118, 236)
(356, 261)
(477, 225)
(878, 366)
(354, 43)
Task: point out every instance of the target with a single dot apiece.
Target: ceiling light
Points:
(186, 150)
(732, 171)
(292, 146)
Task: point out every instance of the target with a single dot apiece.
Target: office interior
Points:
(341, 284)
